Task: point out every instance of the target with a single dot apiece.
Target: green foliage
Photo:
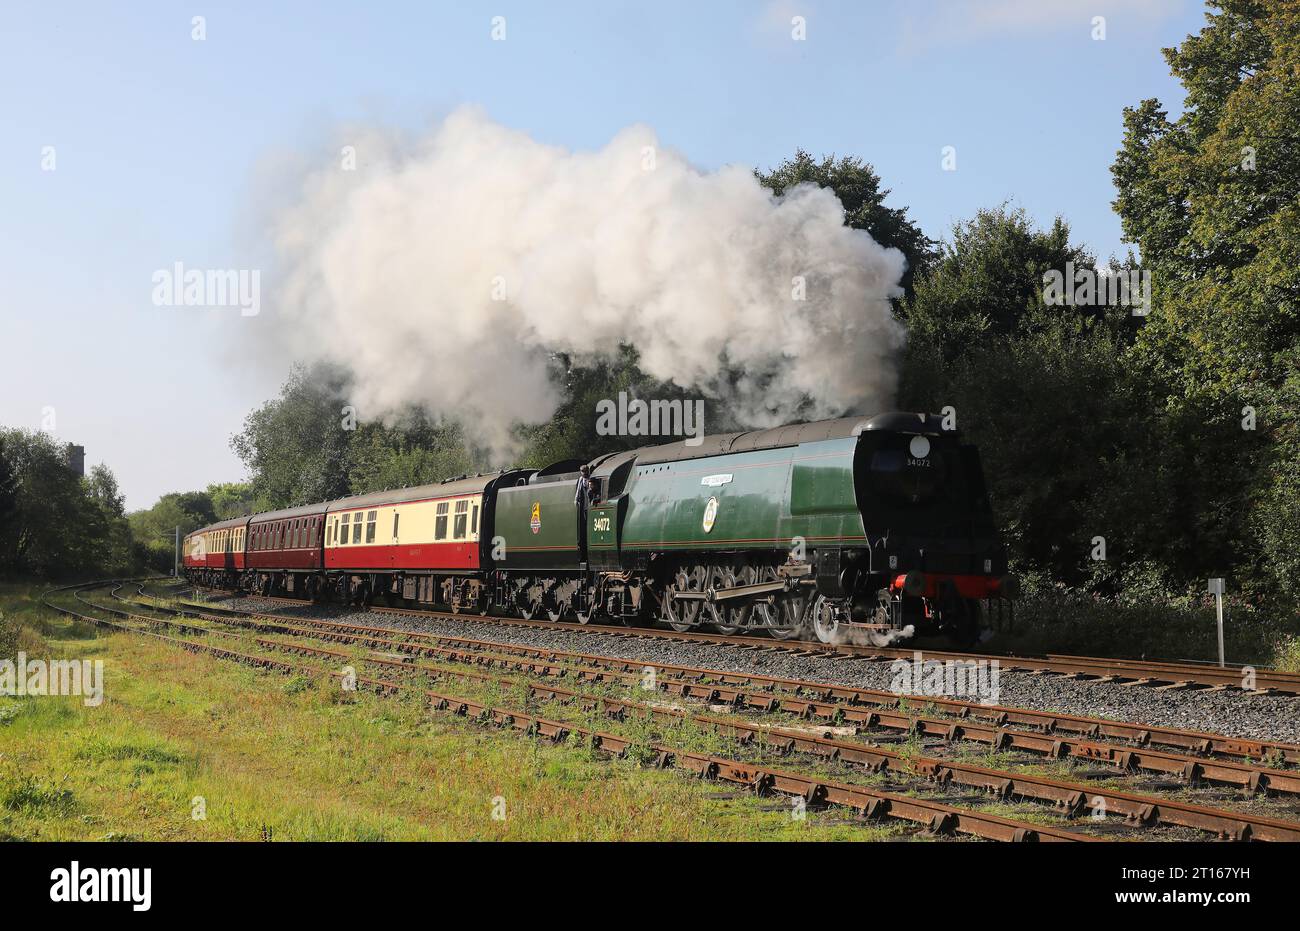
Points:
(307, 445)
(231, 499)
(52, 521)
(571, 432)
(411, 451)
(295, 446)
(988, 282)
(154, 529)
(1213, 200)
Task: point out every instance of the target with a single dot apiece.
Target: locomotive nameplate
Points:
(716, 481)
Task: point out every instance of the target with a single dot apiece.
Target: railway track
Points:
(851, 705)
(815, 700)
(865, 801)
(1151, 673)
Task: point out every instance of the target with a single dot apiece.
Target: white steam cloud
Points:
(397, 269)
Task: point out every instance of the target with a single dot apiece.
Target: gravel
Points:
(1232, 713)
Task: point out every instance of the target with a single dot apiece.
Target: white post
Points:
(1216, 589)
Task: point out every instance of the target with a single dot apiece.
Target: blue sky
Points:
(162, 144)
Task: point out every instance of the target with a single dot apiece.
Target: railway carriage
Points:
(429, 544)
(284, 550)
(216, 553)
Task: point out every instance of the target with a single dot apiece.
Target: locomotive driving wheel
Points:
(792, 610)
(682, 614)
(585, 607)
(724, 614)
(763, 613)
(825, 620)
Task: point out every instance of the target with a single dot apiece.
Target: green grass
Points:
(264, 756)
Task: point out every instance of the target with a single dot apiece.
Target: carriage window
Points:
(343, 538)
(356, 529)
(311, 533)
(462, 517)
(396, 518)
(440, 522)
(370, 527)
(473, 519)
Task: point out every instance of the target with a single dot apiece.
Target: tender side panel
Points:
(539, 525)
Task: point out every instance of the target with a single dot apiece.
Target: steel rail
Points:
(1138, 672)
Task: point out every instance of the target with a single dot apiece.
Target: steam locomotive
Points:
(867, 529)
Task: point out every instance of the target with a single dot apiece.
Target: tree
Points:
(989, 281)
(1040, 388)
(57, 522)
(154, 529)
(1213, 201)
(572, 430)
(8, 506)
(231, 499)
(412, 451)
(296, 446)
(106, 520)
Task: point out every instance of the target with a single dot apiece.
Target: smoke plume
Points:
(444, 272)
